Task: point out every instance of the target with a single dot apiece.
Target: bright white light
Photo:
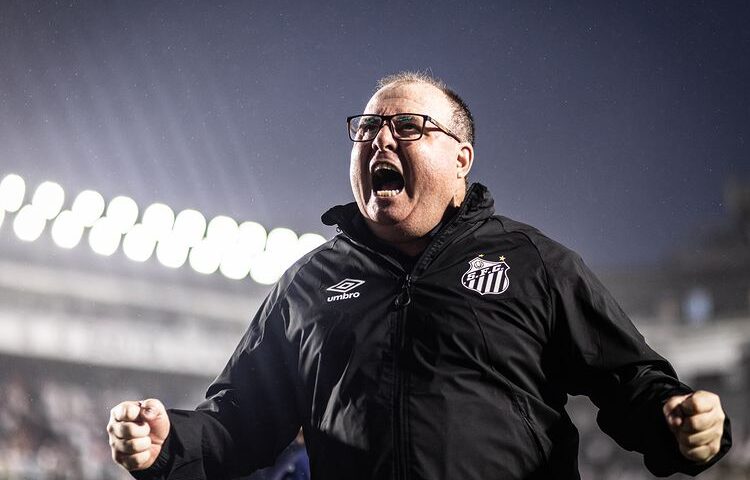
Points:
(242, 254)
(88, 207)
(205, 257)
(171, 251)
(29, 223)
(236, 261)
(49, 198)
(67, 230)
(189, 227)
(158, 219)
(266, 269)
(222, 230)
(139, 243)
(282, 241)
(12, 191)
(253, 236)
(282, 245)
(124, 212)
(309, 242)
(104, 237)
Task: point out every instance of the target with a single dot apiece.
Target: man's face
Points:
(406, 204)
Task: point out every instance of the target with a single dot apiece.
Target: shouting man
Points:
(430, 340)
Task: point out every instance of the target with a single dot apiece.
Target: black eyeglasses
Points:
(403, 126)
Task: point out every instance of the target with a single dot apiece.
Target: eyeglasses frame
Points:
(386, 120)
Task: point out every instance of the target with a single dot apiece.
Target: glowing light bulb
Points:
(67, 230)
(29, 223)
(189, 226)
(139, 243)
(171, 251)
(253, 236)
(104, 236)
(266, 269)
(88, 207)
(205, 257)
(49, 198)
(158, 218)
(12, 191)
(124, 212)
(222, 230)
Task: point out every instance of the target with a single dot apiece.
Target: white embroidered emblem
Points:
(486, 277)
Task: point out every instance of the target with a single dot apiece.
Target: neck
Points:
(407, 244)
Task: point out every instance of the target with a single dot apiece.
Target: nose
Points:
(384, 139)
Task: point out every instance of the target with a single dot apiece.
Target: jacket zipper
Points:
(400, 429)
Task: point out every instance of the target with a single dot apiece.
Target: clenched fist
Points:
(137, 431)
(697, 421)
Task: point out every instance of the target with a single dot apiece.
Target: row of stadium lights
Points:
(221, 244)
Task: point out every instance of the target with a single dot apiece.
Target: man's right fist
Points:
(137, 431)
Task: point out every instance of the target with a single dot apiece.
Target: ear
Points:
(464, 159)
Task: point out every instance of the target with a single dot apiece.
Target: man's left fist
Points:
(697, 421)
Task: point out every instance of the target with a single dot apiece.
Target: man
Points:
(431, 339)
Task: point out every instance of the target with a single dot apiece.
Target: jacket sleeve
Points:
(250, 413)
(605, 357)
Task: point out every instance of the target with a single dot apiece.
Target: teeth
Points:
(385, 166)
(387, 193)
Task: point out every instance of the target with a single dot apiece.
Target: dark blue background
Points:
(612, 126)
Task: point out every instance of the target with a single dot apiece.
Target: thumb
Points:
(155, 415)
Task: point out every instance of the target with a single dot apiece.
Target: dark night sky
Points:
(612, 126)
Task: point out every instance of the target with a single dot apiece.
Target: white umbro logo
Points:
(343, 288)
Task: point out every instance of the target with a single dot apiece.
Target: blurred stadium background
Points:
(82, 276)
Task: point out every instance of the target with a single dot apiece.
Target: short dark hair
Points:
(462, 122)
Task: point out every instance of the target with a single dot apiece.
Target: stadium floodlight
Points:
(29, 223)
(309, 242)
(237, 260)
(139, 243)
(104, 236)
(282, 245)
(189, 226)
(67, 230)
(282, 241)
(49, 198)
(158, 218)
(88, 207)
(266, 268)
(253, 236)
(171, 251)
(12, 192)
(222, 230)
(206, 256)
(124, 212)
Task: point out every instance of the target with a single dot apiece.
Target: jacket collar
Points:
(477, 206)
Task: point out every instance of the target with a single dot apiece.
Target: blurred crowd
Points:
(54, 429)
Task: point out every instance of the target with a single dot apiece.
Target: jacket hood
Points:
(477, 206)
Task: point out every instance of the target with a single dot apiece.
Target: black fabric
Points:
(457, 366)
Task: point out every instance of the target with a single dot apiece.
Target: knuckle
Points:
(130, 446)
(693, 423)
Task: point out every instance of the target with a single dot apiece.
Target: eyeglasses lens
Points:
(364, 128)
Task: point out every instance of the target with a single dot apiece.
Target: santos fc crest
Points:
(486, 277)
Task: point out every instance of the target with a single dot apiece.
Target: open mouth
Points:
(386, 181)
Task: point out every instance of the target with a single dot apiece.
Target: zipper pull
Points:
(404, 298)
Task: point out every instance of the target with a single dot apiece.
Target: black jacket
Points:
(458, 369)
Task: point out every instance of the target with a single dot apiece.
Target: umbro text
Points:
(343, 296)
